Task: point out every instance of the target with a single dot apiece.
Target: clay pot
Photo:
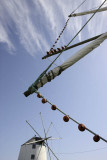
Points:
(81, 127)
(44, 100)
(48, 53)
(53, 107)
(58, 49)
(54, 50)
(66, 118)
(39, 95)
(63, 48)
(96, 138)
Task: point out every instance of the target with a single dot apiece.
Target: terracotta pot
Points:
(53, 107)
(44, 100)
(81, 127)
(96, 138)
(39, 95)
(66, 118)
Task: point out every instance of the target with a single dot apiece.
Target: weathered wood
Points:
(88, 12)
(74, 45)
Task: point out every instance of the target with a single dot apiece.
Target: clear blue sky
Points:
(27, 30)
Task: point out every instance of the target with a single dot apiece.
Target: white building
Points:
(33, 151)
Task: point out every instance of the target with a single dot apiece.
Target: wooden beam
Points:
(74, 45)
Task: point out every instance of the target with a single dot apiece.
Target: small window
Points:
(32, 156)
(33, 146)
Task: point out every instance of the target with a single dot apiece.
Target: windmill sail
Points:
(88, 12)
(73, 59)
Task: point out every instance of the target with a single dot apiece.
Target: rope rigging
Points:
(33, 87)
(86, 151)
(58, 50)
(96, 7)
(66, 118)
(66, 23)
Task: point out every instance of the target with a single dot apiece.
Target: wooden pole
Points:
(74, 45)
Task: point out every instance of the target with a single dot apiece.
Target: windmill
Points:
(35, 148)
(45, 76)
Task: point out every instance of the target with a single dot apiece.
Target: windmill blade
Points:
(48, 151)
(40, 137)
(55, 138)
(33, 129)
(88, 12)
(72, 60)
(43, 124)
(49, 128)
(45, 133)
(31, 142)
(44, 78)
(43, 139)
(52, 151)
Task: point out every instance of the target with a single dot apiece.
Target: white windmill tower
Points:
(35, 148)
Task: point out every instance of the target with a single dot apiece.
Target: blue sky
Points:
(27, 30)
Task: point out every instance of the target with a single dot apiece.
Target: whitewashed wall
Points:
(26, 151)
